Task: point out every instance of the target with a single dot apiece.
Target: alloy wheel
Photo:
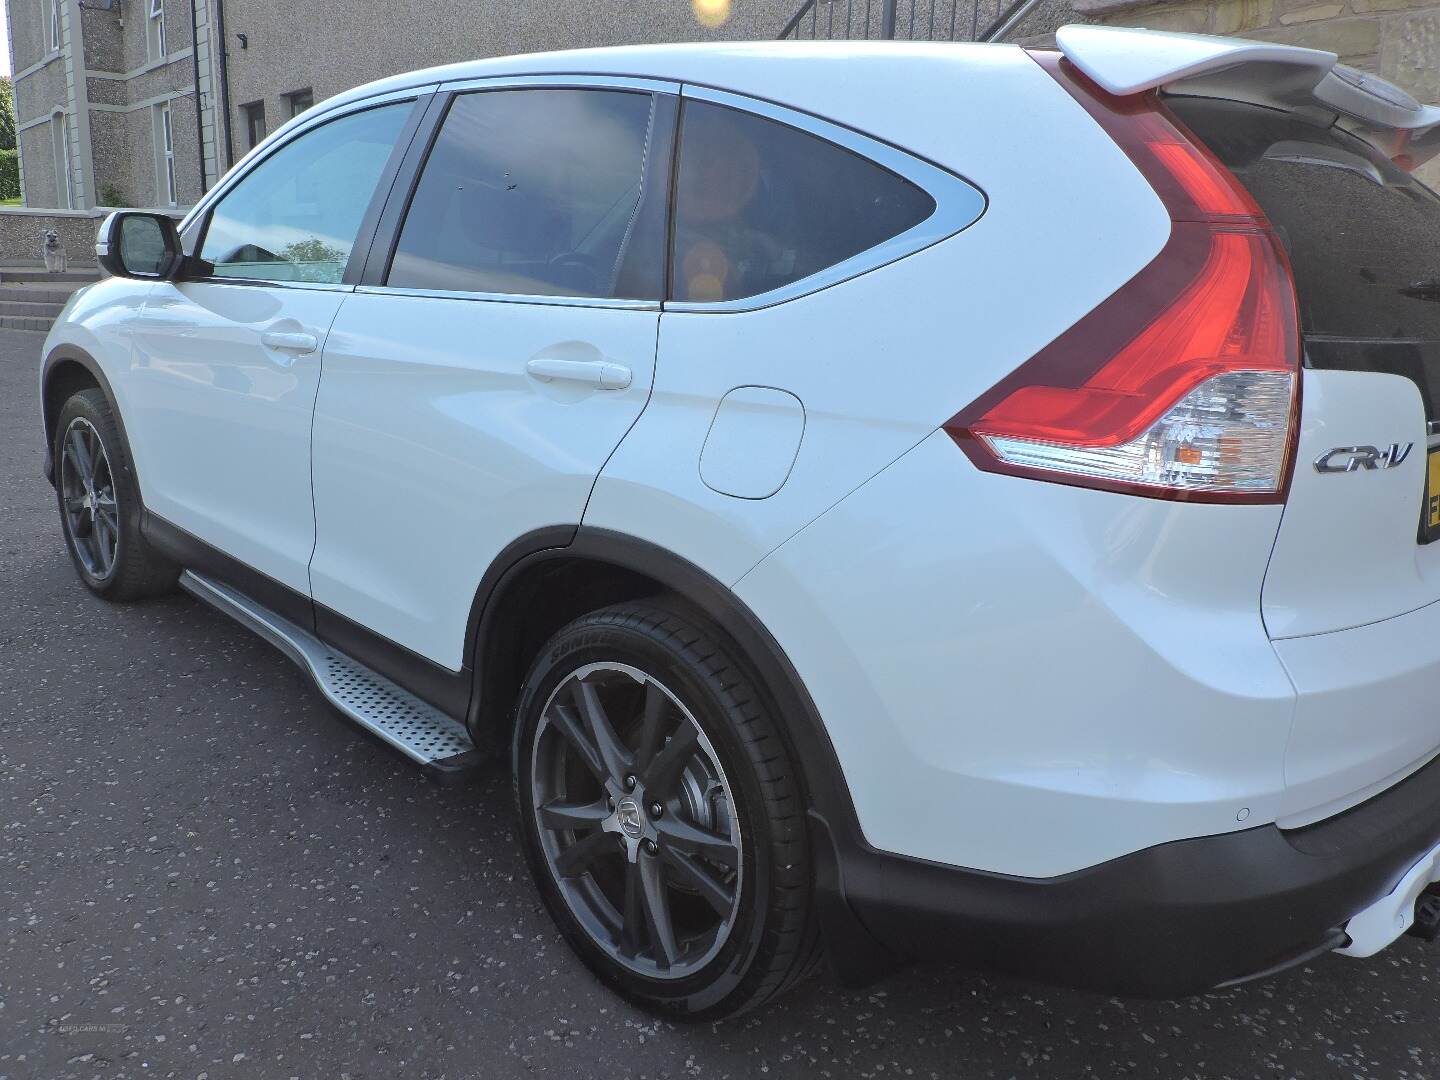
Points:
(87, 491)
(636, 821)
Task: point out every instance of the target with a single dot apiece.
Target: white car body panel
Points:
(434, 448)
(1131, 60)
(944, 620)
(1365, 717)
(1350, 599)
(752, 443)
(1346, 554)
(220, 421)
(976, 293)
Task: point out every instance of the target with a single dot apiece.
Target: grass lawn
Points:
(9, 202)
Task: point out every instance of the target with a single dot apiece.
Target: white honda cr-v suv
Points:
(887, 500)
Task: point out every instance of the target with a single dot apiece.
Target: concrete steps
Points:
(77, 276)
(34, 302)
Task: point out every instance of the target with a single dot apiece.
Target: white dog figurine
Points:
(54, 252)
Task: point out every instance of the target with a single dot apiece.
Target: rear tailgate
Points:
(1364, 243)
(1354, 551)
(1349, 595)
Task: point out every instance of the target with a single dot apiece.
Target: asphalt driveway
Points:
(205, 872)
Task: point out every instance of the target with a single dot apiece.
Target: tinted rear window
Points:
(1363, 235)
(760, 204)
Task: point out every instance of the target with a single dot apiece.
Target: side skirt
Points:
(446, 690)
(392, 714)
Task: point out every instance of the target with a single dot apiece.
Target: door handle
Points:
(591, 372)
(281, 341)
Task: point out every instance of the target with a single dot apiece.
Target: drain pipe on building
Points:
(199, 97)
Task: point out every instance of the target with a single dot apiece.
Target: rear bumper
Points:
(1176, 919)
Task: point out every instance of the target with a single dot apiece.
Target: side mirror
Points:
(135, 244)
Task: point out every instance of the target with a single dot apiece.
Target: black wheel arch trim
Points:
(72, 354)
(855, 953)
(800, 719)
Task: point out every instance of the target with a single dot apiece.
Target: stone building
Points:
(126, 102)
(105, 101)
(133, 102)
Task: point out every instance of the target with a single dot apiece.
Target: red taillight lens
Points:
(1182, 383)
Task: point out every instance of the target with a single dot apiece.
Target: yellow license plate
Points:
(1432, 491)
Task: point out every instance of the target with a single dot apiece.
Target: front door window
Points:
(295, 216)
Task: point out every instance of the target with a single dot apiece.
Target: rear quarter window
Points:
(760, 205)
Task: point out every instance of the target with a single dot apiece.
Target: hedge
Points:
(9, 174)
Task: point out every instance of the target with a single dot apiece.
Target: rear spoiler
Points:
(1308, 81)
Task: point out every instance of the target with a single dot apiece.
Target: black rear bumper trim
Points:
(1172, 920)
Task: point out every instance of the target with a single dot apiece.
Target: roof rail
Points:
(1125, 61)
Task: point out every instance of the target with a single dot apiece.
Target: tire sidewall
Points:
(91, 406)
(707, 990)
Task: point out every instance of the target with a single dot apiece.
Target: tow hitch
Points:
(1427, 915)
(1412, 907)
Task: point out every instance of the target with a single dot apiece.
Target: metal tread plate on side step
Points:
(417, 729)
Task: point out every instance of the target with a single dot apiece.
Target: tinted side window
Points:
(760, 204)
(294, 216)
(528, 191)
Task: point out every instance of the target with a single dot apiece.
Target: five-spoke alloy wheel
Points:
(660, 812)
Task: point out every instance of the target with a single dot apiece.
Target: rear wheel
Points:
(99, 502)
(661, 816)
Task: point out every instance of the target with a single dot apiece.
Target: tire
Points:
(100, 511)
(604, 867)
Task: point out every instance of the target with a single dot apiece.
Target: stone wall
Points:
(23, 230)
(1398, 39)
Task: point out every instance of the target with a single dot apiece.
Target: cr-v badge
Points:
(1353, 458)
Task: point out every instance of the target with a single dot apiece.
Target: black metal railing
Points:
(909, 20)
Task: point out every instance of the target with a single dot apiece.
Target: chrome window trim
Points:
(513, 298)
(576, 81)
(958, 203)
(267, 283)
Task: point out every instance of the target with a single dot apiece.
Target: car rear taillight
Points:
(1183, 383)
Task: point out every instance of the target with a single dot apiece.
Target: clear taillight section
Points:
(1229, 434)
(1182, 384)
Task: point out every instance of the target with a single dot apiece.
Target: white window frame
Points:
(155, 30)
(165, 155)
(60, 145)
(54, 25)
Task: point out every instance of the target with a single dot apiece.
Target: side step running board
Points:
(418, 730)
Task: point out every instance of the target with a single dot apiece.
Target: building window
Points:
(254, 114)
(165, 155)
(300, 100)
(155, 31)
(54, 25)
(60, 144)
